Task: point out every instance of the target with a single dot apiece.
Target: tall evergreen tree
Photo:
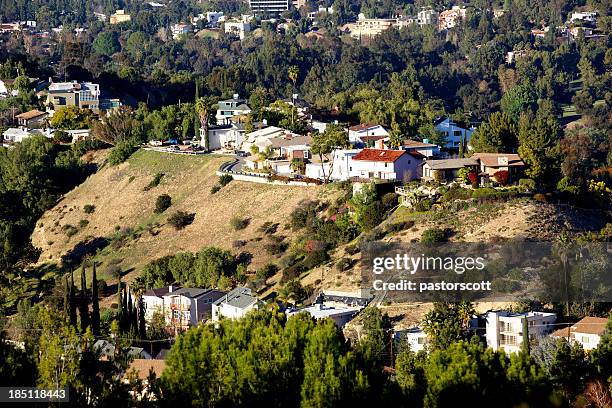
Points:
(66, 298)
(95, 308)
(83, 303)
(73, 303)
(142, 330)
(120, 313)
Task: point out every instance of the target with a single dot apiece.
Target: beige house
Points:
(587, 332)
(120, 16)
(33, 119)
(491, 163)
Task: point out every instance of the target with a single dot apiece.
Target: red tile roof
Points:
(378, 155)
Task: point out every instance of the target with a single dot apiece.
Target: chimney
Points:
(170, 288)
(265, 122)
(379, 144)
(236, 96)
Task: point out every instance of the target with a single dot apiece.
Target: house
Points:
(450, 18)
(587, 332)
(447, 169)
(584, 16)
(229, 108)
(228, 136)
(453, 132)
(16, 135)
(32, 119)
(340, 314)
(385, 164)
(181, 307)
(414, 336)
(142, 369)
(261, 137)
(85, 95)
(342, 164)
(120, 16)
(424, 148)
(107, 350)
(370, 131)
(369, 27)
(427, 17)
(237, 28)
(234, 304)
(504, 330)
(291, 147)
(319, 171)
(214, 17)
(491, 163)
(180, 29)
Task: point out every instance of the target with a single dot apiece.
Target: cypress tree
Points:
(142, 328)
(95, 308)
(66, 298)
(119, 306)
(73, 303)
(83, 304)
(130, 311)
(525, 335)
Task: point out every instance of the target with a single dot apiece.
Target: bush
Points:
(215, 188)
(69, 230)
(121, 152)
(83, 223)
(399, 226)
(89, 208)
(181, 219)
(162, 203)
(155, 182)
(527, 184)
(304, 214)
(61, 136)
(275, 248)
(389, 201)
(501, 177)
(268, 228)
(343, 264)
(83, 146)
(352, 249)
(238, 223)
(540, 198)
(225, 179)
(267, 271)
(238, 243)
(432, 236)
(423, 205)
(314, 259)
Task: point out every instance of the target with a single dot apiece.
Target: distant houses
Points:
(338, 306)
(366, 133)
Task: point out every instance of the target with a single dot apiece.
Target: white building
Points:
(505, 329)
(180, 29)
(415, 337)
(340, 314)
(587, 332)
(424, 148)
(450, 18)
(234, 304)
(213, 17)
(262, 137)
(366, 133)
(427, 17)
(238, 28)
(586, 16)
(181, 307)
(453, 132)
(17, 135)
(269, 6)
(229, 108)
(223, 136)
(385, 164)
(342, 164)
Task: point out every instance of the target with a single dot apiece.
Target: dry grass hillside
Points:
(123, 208)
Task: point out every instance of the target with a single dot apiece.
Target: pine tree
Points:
(73, 303)
(84, 304)
(95, 308)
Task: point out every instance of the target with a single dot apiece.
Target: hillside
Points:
(135, 235)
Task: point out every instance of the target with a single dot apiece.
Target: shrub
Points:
(540, 197)
(69, 230)
(238, 223)
(343, 264)
(225, 179)
(399, 226)
(314, 259)
(423, 205)
(215, 188)
(267, 271)
(121, 152)
(238, 243)
(155, 182)
(162, 203)
(463, 174)
(304, 214)
(501, 177)
(275, 248)
(83, 223)
(389, 200)
(102, 287)
(433, 235)
(89, 208)
(527, 184)
(268, 227)
(83, 146)
(352, 249)
(181, 219)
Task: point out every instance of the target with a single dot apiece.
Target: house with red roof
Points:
(385, 164)
(367, 133)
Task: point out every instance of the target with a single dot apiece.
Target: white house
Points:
(340, 314)
(424, 148)
(16, 135)
(180, 29)
(181, 307)
(586, 16)
(587, 332)
(213, 17)
(342, 164)
(262, 137)
(223, 136)
(366, 133)
(238, 28)
(427, 17)
(415, 337)
(318, 170)
(234, 304)
(229, 108)
(453, 132)
(385, 164)
(504, 330)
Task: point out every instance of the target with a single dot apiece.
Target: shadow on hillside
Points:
(87, 247)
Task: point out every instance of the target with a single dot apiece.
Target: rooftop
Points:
(379, 155)
(30, 114)
(451, 163)
(290, 140)
(590, 325)
(321, 311)
(240, 297)
(493, 159)
(363, 126)
(416, 144)
(143, 367)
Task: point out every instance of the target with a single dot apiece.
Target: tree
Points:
(84, 302)
(323, 144)
(538, 147)
(106, 43)
(72, 118)
(518, 100)
(119, 126)
(293, 73)
(204, 109)
(497, 135)
(601, 357)
(162, 203)
(447, 323)
(73, 302)
(95, 308)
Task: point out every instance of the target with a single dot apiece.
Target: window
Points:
(456, 133)
(421, 340)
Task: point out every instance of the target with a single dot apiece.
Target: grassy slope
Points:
(120, 200)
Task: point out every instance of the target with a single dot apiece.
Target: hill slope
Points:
(124, 210)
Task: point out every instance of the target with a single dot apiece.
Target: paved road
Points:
(235, 166)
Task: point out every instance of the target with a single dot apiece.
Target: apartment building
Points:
(269, 6)
(505, 329)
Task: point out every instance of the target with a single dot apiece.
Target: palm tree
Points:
(204, 107)
(293, 72)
